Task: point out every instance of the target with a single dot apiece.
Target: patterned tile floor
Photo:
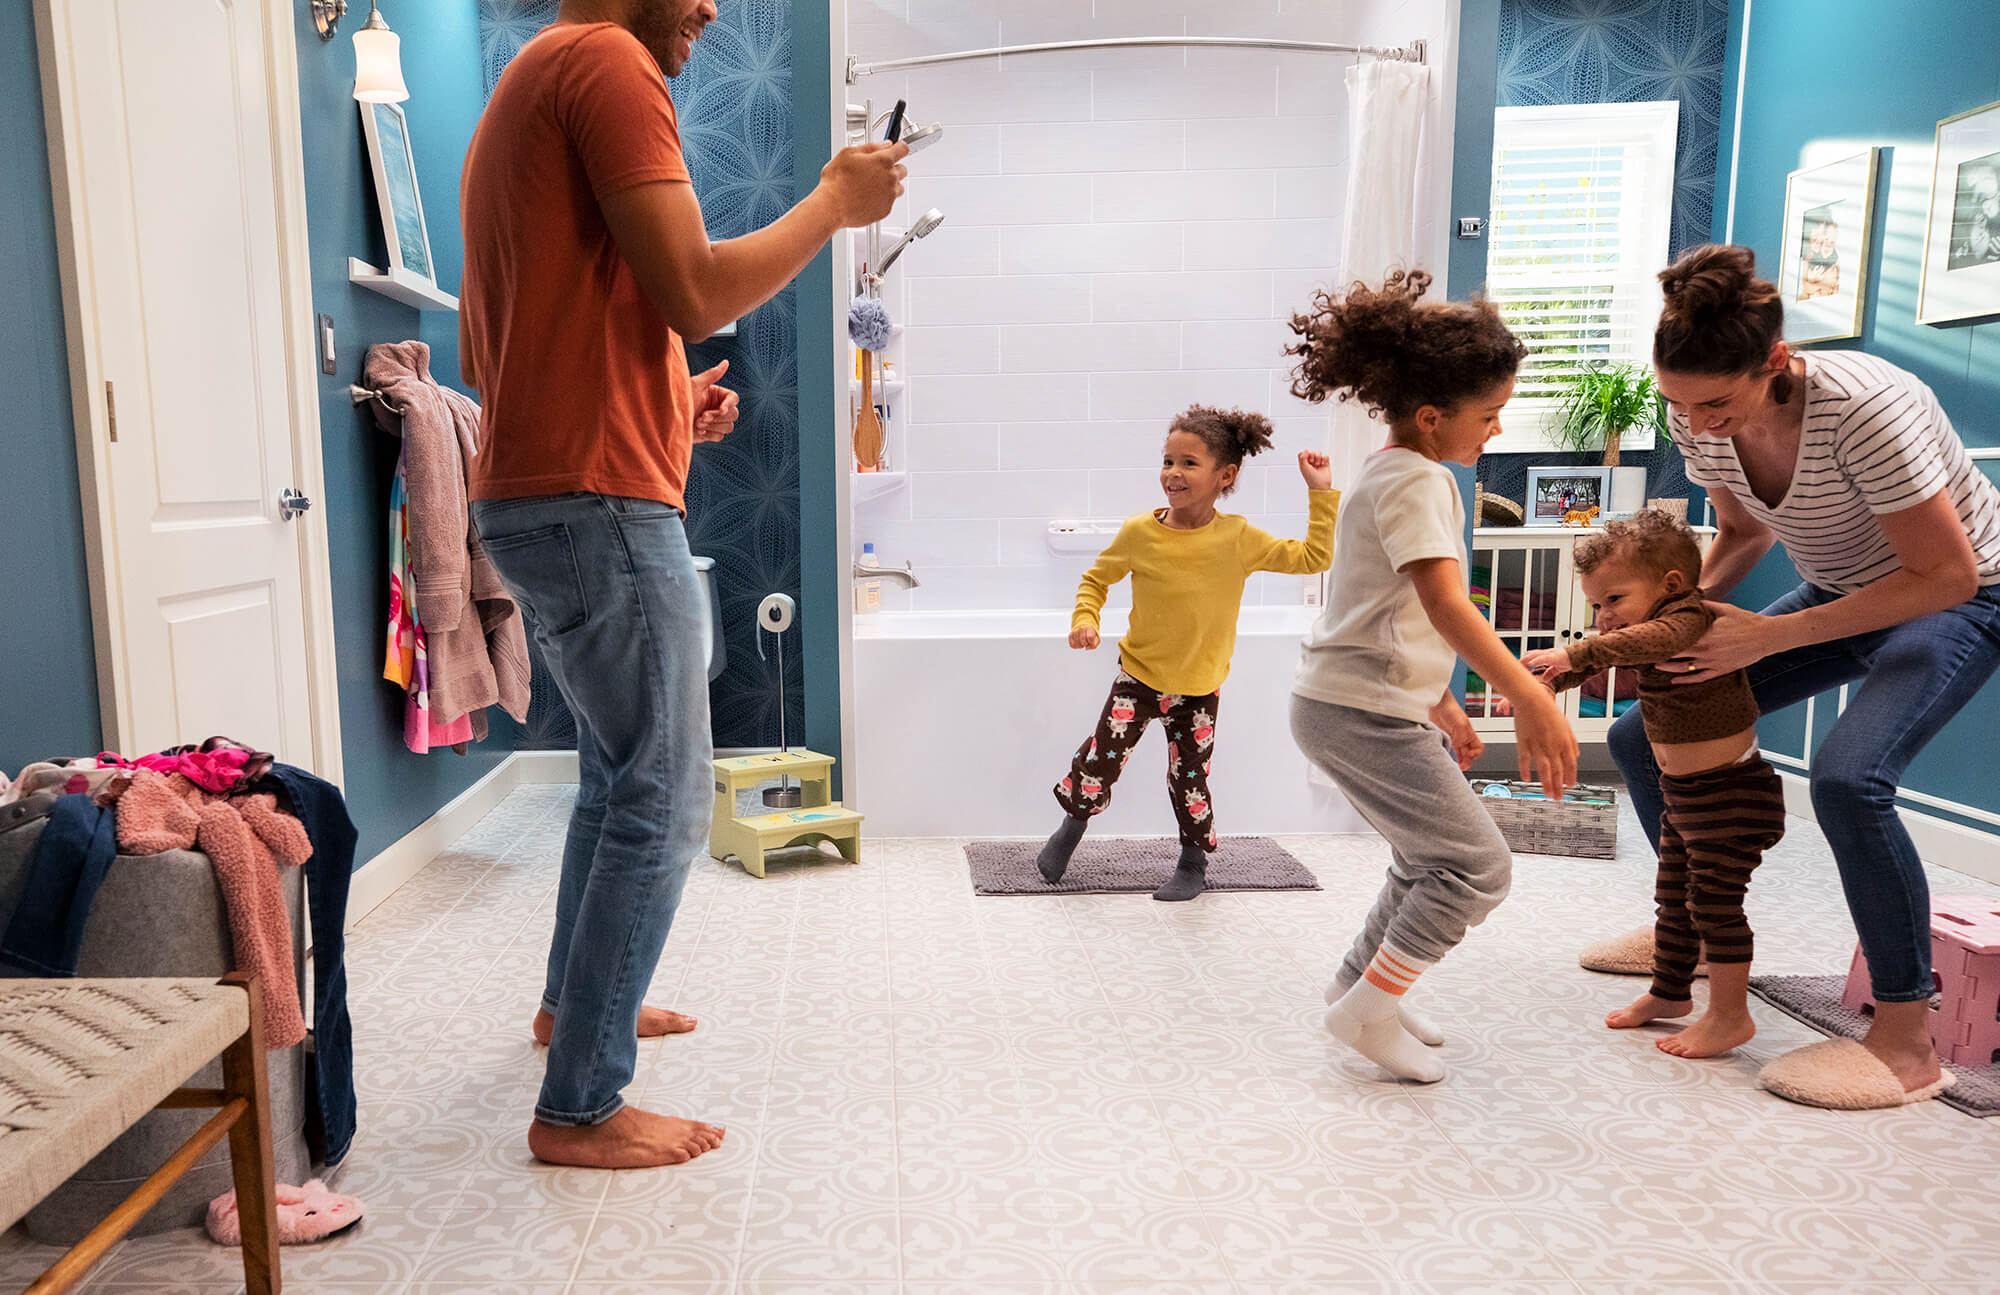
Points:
(929, 1093)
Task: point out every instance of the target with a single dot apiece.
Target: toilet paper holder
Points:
(774, 616)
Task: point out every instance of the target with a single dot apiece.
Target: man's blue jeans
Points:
(1916, 677)
(612, 594)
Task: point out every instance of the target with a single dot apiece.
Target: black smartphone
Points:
(896, 120)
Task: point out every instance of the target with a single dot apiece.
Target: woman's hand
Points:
(1450, 719)
(1737, 638)
(1084, 638)
(1544, 744)
(1317, 469)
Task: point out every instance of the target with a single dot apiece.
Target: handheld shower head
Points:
(927, 222)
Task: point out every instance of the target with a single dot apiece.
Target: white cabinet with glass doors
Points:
(1523, 580)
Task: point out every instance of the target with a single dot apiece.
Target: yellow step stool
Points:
(817, 818)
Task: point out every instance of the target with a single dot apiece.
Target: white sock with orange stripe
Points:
(1367, 1018)
(1428, 1032)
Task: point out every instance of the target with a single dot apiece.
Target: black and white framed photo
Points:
(1961, 276)
(1554, 493)
(396, 194)
(1823, 268)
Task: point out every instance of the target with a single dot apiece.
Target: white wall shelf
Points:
(893, 387)
(870, 486)
(400, 285)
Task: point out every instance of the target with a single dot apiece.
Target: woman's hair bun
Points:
(1718, 317)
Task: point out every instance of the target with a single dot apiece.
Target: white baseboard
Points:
(1939, 841)
(382, 875)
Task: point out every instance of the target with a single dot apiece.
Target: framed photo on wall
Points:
(396, 194)
(1553, 492)
(1961, 276)
(1823, 267)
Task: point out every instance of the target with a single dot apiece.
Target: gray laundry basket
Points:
(159, 915)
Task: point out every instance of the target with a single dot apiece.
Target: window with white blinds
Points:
(1582, 199)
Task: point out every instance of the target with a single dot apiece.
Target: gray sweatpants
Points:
(1449, 865)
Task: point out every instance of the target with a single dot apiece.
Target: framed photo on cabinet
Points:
(1961, 274)
(1823, 267)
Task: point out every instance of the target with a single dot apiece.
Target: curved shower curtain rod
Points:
(1411, 53)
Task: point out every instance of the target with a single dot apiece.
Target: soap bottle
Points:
(868, 593)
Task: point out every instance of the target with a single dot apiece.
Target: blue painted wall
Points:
(389, 790)
(1888, 83)
(48, 702)
(737, 101)
(1621, 51)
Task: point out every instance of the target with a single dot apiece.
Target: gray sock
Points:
(1190, 876)
(1054, 858)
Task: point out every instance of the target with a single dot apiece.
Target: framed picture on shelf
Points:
(1555, 492)
(402, 206)
(1823, 269)
(1961, 274)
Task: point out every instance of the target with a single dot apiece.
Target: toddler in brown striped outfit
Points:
(1724, 803)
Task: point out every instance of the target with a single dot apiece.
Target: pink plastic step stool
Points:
(1965, 953)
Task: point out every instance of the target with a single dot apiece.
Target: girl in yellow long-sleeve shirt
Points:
(1188, 564)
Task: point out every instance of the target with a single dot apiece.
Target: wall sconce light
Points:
(378, 64)
(327, 15)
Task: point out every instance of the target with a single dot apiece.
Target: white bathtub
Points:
(965, 720)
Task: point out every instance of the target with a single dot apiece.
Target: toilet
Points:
(714, 654)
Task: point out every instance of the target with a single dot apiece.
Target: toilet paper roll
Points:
(775, 613)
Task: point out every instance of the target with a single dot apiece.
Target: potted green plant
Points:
(1599, 404)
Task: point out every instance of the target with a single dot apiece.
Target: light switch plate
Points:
(1471, 226)
(325, 335)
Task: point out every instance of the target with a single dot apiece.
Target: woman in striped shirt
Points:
(1851, 464)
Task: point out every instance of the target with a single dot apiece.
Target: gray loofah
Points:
(868, 324)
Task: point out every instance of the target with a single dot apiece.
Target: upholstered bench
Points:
(82, 1060)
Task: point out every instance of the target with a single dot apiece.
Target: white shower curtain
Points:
(1385, 120)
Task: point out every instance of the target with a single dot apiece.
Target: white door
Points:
(173, 131)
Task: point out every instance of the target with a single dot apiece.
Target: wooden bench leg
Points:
(250, 1156)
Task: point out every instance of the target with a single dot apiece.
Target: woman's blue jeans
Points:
(618, 611)
(1916, 676)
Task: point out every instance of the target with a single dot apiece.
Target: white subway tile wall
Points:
(1127, 232)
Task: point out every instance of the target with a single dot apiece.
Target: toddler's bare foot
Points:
(630, 1139)
(654, 1022)
(1646, 1008)
(1714, 1034)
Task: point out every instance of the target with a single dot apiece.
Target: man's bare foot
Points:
(654, 1022)
(1714, 1034)
(1646, 1008)
(630, 1139)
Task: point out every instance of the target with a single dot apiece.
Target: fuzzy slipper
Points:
(1630, 954)
(305, 1214)
(1841, 1075)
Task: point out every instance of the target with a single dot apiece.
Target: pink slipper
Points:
(305, 1214)
(1841, 1075)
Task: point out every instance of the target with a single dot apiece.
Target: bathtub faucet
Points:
(903, 573)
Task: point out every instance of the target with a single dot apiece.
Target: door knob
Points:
(291, 503)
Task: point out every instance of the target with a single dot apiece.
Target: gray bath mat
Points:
(1102, 867)
(1816, 1001)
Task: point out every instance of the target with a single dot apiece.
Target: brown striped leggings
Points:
(1713, 835)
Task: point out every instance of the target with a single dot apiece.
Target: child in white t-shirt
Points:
(1374, 687)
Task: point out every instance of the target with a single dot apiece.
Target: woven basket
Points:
(1534, 824)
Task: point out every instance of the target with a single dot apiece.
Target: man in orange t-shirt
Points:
(586, 264)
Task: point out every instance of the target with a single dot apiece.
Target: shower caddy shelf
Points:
(870, 486)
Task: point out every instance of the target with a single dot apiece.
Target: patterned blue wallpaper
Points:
(1622, 51)
(1627, 51)
(734, 102)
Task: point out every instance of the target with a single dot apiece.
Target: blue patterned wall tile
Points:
(734, 104)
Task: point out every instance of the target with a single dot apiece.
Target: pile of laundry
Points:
(252, 816)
